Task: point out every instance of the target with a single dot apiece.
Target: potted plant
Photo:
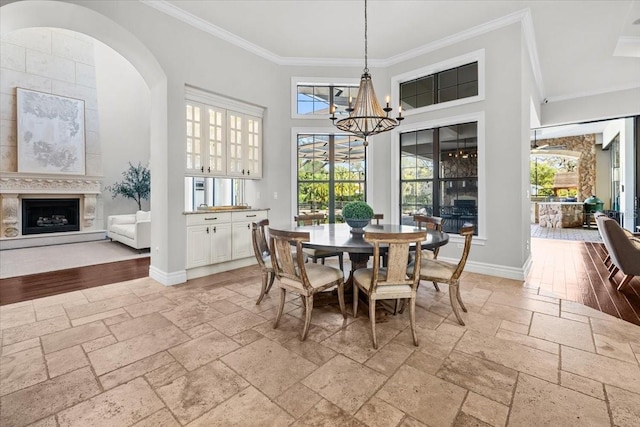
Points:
(357, 214)
(136, 184)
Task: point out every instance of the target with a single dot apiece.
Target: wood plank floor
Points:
(567, 269)
(575, 271)
(22, 288)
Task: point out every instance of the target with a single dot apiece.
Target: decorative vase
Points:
(357, 225)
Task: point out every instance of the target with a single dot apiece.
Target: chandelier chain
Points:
(366, 53)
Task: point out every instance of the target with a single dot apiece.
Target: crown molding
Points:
(523, 16)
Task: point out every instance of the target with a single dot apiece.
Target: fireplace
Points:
(50, 215)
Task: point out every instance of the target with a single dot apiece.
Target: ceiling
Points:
(573, 42)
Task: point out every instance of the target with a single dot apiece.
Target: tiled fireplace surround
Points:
(15, 187)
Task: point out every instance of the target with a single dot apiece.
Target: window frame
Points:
(477, 117)
(295, 131)
(476, 56)
(315, 81)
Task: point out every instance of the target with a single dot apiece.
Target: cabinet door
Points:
(253, 148)
(194, 138)
(242, 247)
(198, 246)
(215, 154)
(235, 142)
(220, 243)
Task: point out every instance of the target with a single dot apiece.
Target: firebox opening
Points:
(50, 215)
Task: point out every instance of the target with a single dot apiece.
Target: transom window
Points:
(316, 100)
(331, 172)
(455, 83)
(439, 175)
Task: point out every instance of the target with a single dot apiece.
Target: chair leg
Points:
(283, 295)
(412, 318)
(614, 270)
(355, 300)
(308, 301)
(341, 299)
(263, 291)
(340, 260)
(435, 284)
(372, 318)
(271, 279)
(459, 298)
(453, 290)
(627, 279)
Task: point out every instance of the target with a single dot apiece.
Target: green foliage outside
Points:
(543, 170)
(136, 184)
(313, 179)
(357, 210)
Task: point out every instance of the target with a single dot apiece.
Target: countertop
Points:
(223, 209)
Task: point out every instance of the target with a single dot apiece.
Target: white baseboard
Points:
(206, 270)
(167, 279)
(34, 240)
(494, 269)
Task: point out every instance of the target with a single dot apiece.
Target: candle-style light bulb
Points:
(387, 100)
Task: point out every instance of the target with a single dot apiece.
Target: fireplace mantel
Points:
(13, 186)
(16, 183)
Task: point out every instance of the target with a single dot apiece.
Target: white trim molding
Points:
(167, 278)
(492, 269)
(522, 16)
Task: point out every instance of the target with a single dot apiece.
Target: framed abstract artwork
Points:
(51, 133)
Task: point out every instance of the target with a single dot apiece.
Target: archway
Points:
(21, 15)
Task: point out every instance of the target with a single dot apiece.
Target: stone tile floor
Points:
(581, 233)
(203, 354)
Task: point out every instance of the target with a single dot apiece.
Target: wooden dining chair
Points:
(263, 255)
(304, 279)
(318, 254)
(392, 282)
(435, 270)
(430, 223)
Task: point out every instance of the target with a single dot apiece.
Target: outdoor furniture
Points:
(303, 279)
(444, 272)
(394, 281)
(263, 256)
(623, 248)
(315, 254)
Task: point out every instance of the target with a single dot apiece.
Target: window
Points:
(455, 83)
(331, 172)
(316, 100)
(439, 174)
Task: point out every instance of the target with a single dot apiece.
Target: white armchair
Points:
(132, 229)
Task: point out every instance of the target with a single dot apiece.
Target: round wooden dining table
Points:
(338, 238)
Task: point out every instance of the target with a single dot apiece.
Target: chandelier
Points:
(366, 117)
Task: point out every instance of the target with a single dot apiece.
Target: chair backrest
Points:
(623, 249)
(378, 217)
(397, 257)
(467, 231)
(285, 267)
(259, 239)
(429, 222)
(310, 219)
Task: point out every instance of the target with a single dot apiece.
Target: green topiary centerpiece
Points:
(357, 214)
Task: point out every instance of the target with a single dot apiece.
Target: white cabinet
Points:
(208, 239)
(218, 237)
(242, 245)
(223, 136)
(244, 148)
(205, 140)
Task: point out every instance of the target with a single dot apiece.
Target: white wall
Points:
(124, 106)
